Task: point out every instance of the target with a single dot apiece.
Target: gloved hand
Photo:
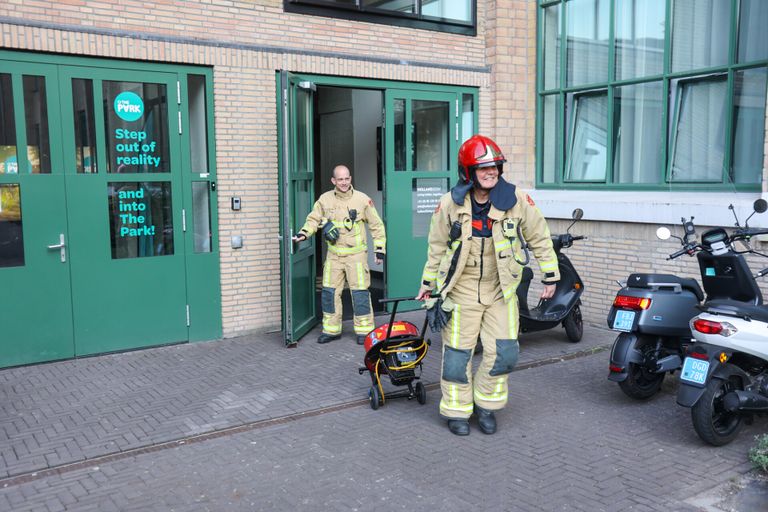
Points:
(438, 313)
(330, 232)
(380, 257)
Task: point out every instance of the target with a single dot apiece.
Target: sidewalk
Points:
(246, 424)
(69, 411)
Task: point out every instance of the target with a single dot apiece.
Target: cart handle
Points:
(397, 300)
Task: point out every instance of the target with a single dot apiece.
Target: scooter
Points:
(563, 308)
(653, 311)
(724, 378)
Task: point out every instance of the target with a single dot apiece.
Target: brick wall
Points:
(612, 251)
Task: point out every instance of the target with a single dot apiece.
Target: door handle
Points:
(61, 246)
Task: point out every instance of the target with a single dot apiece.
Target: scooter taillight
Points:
(636, 303)
(707, 327)
(710, 327)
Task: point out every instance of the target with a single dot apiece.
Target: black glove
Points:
(330, 232)
(437, 317)
(380, 256)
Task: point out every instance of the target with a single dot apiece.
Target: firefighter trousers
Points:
(479, 310)
(352, 269)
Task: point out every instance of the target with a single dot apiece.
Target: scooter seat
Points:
(655, 280)
(736, 308)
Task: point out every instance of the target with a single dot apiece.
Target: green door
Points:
(422, 132)
(124, 207)
(96, 167)
(36, 313)
(297, 176)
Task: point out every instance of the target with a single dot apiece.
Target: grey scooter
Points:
(653, 311)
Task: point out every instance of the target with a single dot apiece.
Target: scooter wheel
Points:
(421, 393)
(640, 383)
(574, 325)
(711, 421)
(375, 397)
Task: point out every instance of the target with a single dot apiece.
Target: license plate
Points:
(695, 371)
(624, 320)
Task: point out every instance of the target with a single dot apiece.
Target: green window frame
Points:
(651, 94)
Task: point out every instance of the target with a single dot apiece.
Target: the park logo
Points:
(128, 106)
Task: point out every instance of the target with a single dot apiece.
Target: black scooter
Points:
(563, 308)
(653, 311)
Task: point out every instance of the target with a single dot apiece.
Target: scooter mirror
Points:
(578, 213)
(760, 205)
(663, 233)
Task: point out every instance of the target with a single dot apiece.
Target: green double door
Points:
(92, 224)
(423, 126)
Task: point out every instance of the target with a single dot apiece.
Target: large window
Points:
(652, 94)
(457, 16)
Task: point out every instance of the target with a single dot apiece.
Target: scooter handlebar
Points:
(679, 253)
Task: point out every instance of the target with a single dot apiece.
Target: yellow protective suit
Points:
(347, 258)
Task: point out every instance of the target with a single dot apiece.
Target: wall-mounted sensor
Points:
(236, 203)
(237, 242)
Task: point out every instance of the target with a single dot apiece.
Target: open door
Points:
(422, 136)
(297, 187)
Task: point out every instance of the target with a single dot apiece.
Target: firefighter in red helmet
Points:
(474, 265)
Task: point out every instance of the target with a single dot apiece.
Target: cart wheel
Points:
(374, 397)
(421, 393)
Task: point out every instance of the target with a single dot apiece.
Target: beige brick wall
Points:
(258, 39)
(511, 36)
(612, 251)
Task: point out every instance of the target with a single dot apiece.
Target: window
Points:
(140, 219)
(456, 16)
(652, 94)
(11, 234)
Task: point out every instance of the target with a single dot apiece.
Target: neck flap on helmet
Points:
(459, 191)
(502, 196)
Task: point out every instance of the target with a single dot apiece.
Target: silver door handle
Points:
(62, 246)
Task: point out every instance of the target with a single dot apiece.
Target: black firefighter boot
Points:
(486, 420)
(325, 337)
(459, 427)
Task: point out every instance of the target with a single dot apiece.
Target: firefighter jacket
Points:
(505, 234)
(348, 211)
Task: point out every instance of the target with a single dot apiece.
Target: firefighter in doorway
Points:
(474, 266)
(341, 214)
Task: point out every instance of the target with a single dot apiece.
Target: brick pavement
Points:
(71, 411)
(569, 440)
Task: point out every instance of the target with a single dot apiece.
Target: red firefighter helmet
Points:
(400, 329)
(477, 152)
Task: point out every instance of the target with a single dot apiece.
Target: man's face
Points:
(341, 179)
(487, 177)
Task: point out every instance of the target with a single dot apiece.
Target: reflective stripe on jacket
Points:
(334, 206)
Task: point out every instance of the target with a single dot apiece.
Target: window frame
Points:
(357, 12)
(564, 116)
